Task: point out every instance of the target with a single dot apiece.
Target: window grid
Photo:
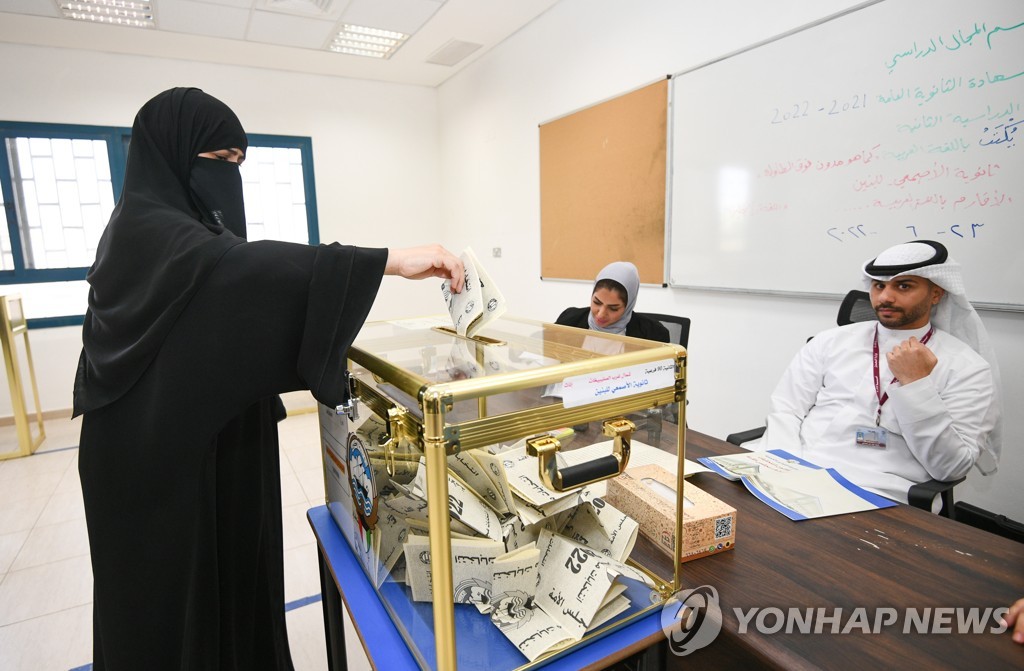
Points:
(6, 257)
(64, 195)
(275, 195)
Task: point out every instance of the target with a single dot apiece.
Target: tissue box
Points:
(647, 494)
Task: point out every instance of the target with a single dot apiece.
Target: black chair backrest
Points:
(989, 521)
(678, 327)
(856, 307)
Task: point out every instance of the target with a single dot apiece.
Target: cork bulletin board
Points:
(603, 187)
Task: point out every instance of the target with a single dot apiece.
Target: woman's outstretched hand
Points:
(417, 263)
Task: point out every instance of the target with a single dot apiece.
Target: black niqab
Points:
(157, 248)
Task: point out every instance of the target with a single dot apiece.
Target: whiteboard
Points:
(795, 161)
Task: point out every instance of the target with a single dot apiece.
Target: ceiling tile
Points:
(313, 9)
(201, 18)
(452, 52)
(292, 31)
(241, 32)
(405, 16)
(35, 7)
(241, 4)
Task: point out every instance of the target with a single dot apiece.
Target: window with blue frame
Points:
(59, 184)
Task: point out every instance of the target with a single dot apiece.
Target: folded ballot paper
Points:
(479, 303)
(546, 567)
(794, 487)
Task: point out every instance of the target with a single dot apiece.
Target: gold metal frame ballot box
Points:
(467, 475)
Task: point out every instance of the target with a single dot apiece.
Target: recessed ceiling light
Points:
(365, 41)
(135, 13)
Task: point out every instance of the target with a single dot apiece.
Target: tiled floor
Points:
(45, 575)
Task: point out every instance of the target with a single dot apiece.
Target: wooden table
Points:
(900, 558)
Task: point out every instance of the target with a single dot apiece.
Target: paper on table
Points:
(735, 466)
(811, 493)
(793, 486)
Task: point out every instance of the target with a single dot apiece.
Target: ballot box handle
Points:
(546, 446)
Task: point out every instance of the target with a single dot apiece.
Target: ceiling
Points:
(290, 35)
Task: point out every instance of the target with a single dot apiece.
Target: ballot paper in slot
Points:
(479, 303)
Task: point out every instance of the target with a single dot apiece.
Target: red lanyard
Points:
(882, 398)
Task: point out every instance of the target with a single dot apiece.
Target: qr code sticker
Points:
(723, 527)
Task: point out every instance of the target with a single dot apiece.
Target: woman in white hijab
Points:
(611, 306)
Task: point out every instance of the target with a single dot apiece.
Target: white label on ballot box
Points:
(617, 383)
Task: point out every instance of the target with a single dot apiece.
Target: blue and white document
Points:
(793, 486)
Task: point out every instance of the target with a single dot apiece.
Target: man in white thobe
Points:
(909, 398)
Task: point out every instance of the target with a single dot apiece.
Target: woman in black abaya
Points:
(191, 333)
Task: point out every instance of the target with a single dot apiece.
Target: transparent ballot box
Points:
(468, 474)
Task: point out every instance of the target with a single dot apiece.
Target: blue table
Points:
(342, 580)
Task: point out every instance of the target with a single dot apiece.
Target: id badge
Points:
(871, 436)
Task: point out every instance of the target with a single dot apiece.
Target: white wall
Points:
(584, 51)
(374, 151)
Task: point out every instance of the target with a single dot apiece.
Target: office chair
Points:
(856, 307)
(678, 327)
(678, 332)
(980, 518)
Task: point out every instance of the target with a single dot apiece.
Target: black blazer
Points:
(639, 326)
